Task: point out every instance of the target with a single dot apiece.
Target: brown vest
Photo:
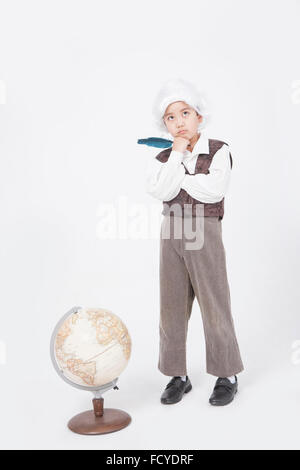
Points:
(202, 166)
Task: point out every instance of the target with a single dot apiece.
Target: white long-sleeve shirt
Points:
(164, 180)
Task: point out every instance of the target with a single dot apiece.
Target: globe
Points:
(90, 348)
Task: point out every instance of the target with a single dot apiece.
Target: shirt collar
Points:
(201, 146)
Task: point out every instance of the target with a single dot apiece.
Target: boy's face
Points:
(179, 116)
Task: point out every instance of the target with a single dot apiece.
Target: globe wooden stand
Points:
(100, 420)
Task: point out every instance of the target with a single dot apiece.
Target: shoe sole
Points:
(224, 404)
(187, 390)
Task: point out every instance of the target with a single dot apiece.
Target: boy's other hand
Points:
(180, 144)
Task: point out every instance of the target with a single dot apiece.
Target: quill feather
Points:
(156, 142)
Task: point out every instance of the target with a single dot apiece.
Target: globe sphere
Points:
(90, 347)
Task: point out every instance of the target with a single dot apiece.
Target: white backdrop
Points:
(77, 81)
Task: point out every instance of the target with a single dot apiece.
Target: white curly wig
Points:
(177, 89)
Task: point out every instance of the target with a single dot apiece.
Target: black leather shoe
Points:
(223, 392)
(175, 389)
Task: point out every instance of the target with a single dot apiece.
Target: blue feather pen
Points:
(156, 142)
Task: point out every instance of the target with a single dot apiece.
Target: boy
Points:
(191, 179)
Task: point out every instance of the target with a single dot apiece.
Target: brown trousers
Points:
(187, 270)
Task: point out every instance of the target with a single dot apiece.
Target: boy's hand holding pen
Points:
(180, 144)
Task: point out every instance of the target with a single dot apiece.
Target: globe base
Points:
(100, 420)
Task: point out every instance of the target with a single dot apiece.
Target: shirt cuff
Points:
(176, 156)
